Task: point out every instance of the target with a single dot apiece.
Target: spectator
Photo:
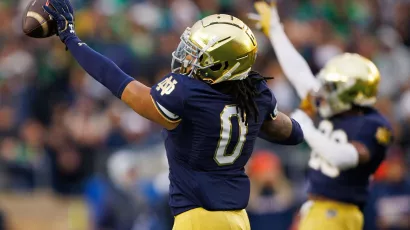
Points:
(389, 204)
(271, 201)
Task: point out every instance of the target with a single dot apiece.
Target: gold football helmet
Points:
(217, 48)
(347, 80)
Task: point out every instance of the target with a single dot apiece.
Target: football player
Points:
(350, 141)
(212, 108)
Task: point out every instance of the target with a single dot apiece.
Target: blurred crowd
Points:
(61, 131)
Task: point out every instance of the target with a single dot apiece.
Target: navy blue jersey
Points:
(351, 186)
(208, 150)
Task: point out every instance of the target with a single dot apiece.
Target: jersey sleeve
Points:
(376, 136)
(273, 108)
(168, 97)
(269, 102)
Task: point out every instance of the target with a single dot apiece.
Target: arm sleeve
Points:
(99, 67)
(375, 136)
(294, 66)
(168, 97)
(341, 155)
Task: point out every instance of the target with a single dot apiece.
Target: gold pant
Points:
(330, 215)
(201, 219)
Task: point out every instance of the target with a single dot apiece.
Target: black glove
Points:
(63, 15)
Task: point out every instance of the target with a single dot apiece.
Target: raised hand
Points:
(62, 12)
(267, 18)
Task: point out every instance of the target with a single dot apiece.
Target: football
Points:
(36, 22)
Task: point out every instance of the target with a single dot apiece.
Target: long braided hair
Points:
(243, 93)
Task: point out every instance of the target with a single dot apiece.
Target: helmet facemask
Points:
(186, 59)
(329, 102)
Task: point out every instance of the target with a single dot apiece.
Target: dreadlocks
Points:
(243, 93)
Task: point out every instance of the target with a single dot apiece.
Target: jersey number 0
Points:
(221, 156)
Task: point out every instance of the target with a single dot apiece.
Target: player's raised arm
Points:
(133, 93)
(293, 64)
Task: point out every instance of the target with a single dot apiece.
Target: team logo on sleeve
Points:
(71, 28)
(166, 86)
(383, 136)
(275, 112)
(168, 114)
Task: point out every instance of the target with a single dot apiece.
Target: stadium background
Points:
(74, 157)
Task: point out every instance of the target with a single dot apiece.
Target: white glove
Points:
(303, 119)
